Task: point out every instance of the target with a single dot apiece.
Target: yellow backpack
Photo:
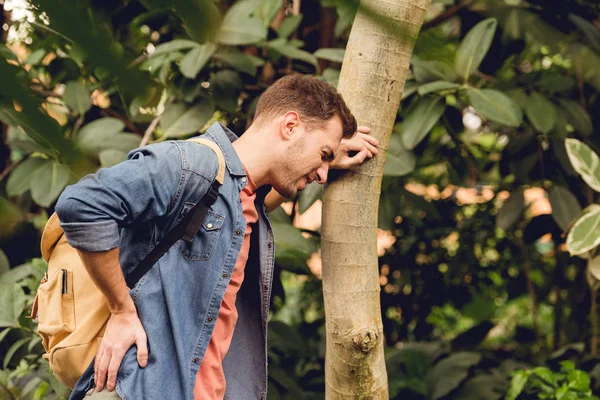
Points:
(72, 312)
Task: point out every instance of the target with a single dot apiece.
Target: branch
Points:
(446, 15)
(149, 131)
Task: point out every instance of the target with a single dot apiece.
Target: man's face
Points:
(308, 156)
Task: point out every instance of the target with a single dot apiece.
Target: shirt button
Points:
(224, 275)
(209, 226)
(209, 319)
(269, 245)
(196, 360)
(238, 232)
(244, 179)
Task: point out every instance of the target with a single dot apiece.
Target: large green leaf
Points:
(540, 112)
(511, 210)
(427, 71)
(242, 24)
(103, 134)
(585, 233)
(420, 121)
(48, 182)
(193, 62)
(240, 61)
(308, 196)
(585, 162)
(268, 10)
(437, 86)
(179, 120)
(449, 373)
(474, 47)
(201, 18)
(77, 97)
(335, 55)
(291, 248)
(289, 25)
(226, 87)
(398, 160)
(565, 207)
(174, 45)
(496, 106)
(577, 116)
(12, 301)
(111, 157)
(20, 179)
(290, 51)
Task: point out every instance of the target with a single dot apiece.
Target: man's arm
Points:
(352, 152)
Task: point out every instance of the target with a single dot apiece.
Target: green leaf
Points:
(35, 57)
(594, 267)
(268, 10)
(511, 210)
(398, 160)
(579, 380)
(103, 134)
(517, 384)
(12, 302)
(201, 18)
(585, 233)
(193, 62)
(4, 263)
(179, 120)
(16, 274)
(240, 61)
(427, 71)
(483, 387)
(225, 87)
(4, 333)
(565, 207)
(20, 179)
(174, 45)
(577, 116)
(437, 86)
(77, 97)
(449, 373)
(13, 349)
(335, 55)
(540, 112)
(242, 24)
(111, 157)
(585, 161)
(292, 52)
(48, 182)
(308, 196)
(420, 121)
(289, 25)
(474, 47)
(496, 106)
(291, 248)
(7, 53)
(519, 96)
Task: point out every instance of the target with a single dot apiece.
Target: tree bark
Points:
(372, 79)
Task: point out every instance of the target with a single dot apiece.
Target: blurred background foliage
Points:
(489, 223)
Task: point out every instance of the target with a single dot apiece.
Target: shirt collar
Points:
(223, 136)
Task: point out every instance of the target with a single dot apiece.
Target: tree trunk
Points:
(373, 74)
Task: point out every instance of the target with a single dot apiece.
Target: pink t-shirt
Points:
(210, 381)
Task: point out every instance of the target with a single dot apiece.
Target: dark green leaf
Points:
(308, 196)
(427, 71)
(111, 157)
(496, 106)
(511, 210)
(437, 86)
(174, 45)
(565, 207)
(7, 53)
(20, 179)
(242, 24)
(193, 62)
(474, 47)
(201, 18)
(420, 121)
(517, 384)
(293, 52)
(398, 160)
(449, 373)
(577, 116)
(77, 97)
(289, 25)
(483, 387)
(4, 265)
(179, 120)
(268, 10)
(590, 32)
(103, 134)
(335, 55)
(240, 61)
(35, 57)
(12, 302)
(540, 112)
(16, 274)
(48, 182)
(225, 87)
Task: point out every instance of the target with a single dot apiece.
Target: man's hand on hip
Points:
(123, 330)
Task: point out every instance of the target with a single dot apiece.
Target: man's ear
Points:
(290, 121)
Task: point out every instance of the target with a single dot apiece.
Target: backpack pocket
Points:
(56, 315)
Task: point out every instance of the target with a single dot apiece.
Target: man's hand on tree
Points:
(356, 150)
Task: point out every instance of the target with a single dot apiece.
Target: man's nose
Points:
(322, 173)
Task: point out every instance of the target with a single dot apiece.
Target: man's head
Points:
(308, 119)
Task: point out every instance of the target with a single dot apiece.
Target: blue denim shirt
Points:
(133, 205)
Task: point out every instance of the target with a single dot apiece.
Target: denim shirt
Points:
(133, 205)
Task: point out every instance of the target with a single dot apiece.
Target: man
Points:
(191, 310)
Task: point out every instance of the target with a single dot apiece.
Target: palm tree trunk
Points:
(373, 74)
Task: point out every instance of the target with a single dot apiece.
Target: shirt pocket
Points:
(205, 239)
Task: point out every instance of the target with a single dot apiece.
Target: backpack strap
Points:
(190, 224)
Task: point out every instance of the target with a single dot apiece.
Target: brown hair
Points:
(314, 100)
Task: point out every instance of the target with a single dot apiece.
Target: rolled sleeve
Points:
(143, 187)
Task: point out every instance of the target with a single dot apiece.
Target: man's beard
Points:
(284, 182)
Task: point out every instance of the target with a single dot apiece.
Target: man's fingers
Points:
(371, 148)
(363, 129)
(113, 368)
(142, 350)
(97, 360)
(102, 370)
